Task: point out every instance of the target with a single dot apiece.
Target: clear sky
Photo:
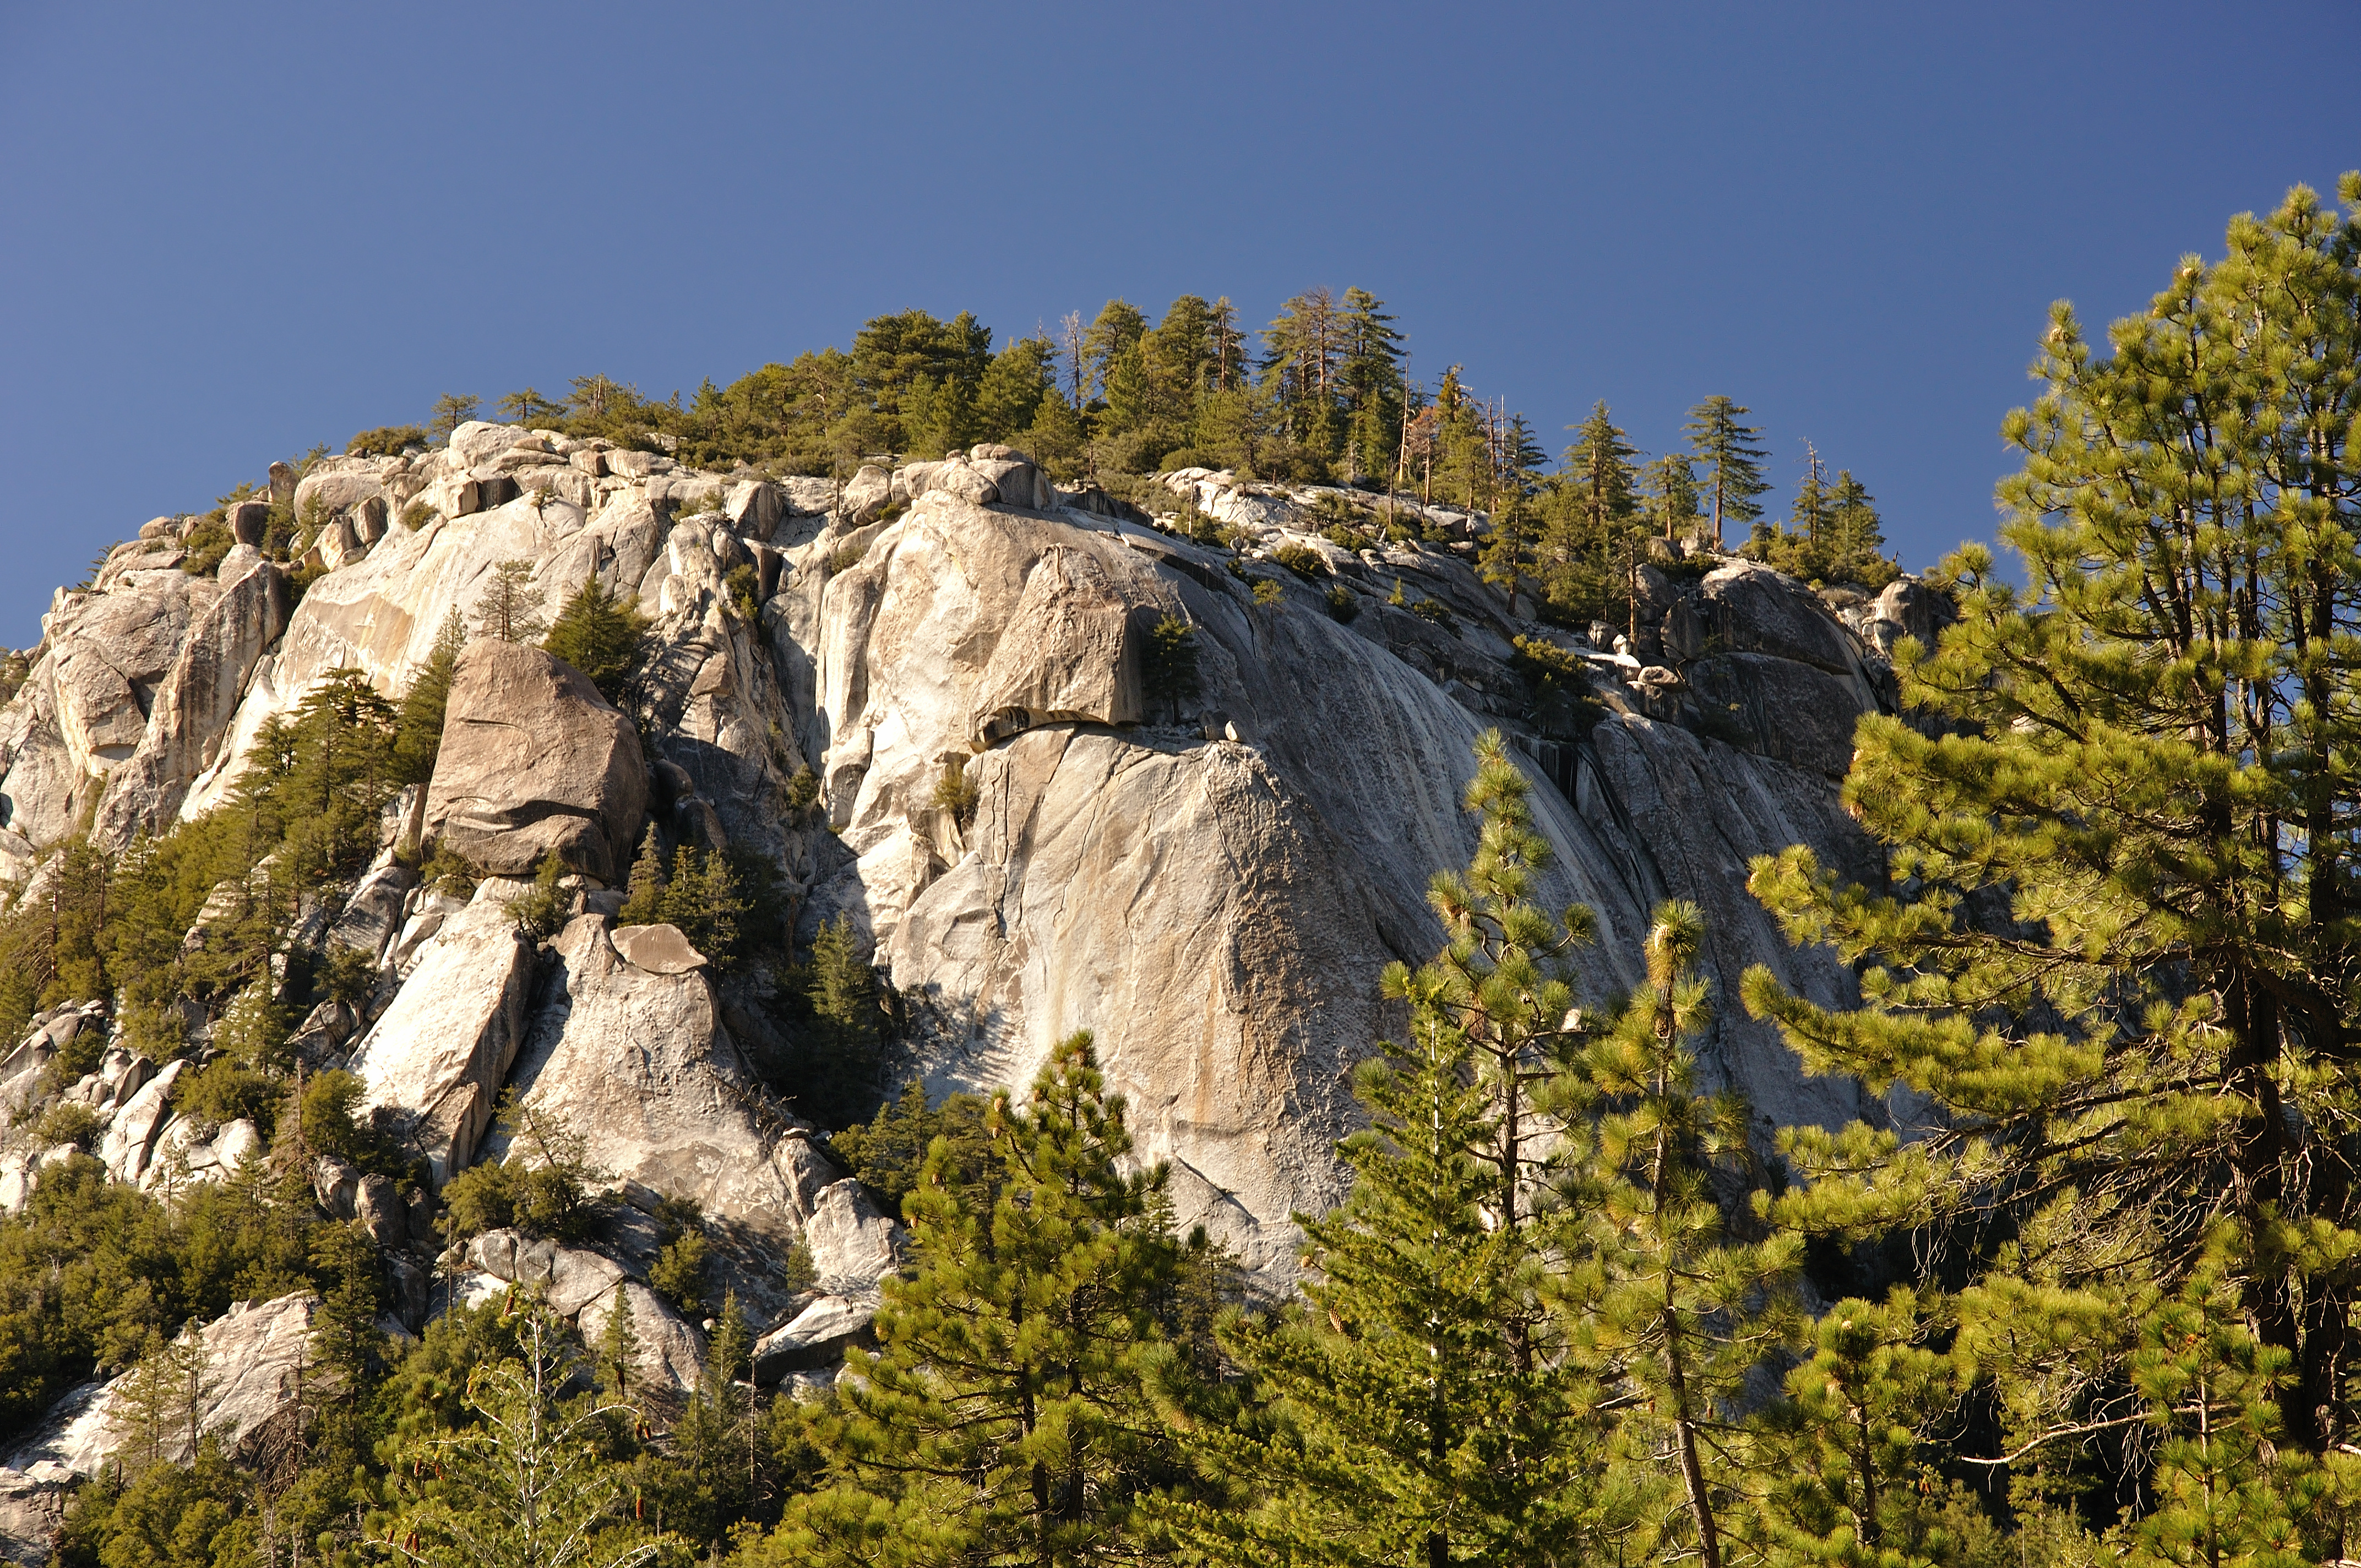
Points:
(230, 232)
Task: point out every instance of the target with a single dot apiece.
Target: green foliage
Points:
(205, 542)
(69, 1121)
(678, 1273)
(418, 723)
(541, 913)
(510, 608)
(889, 1153)
(1007, 1408)
(452, 409)
(1302, 560)
(2090, 960)
(1729, 464)
(1169, 663)
(543, 1186)
(603, 635)
(387, 441)
(956, 795)
(523, 1485)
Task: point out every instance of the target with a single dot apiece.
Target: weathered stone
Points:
(435, 1060)
(248, 520)
(251, 1355)
(133, 1130)
(535, 761)
(478, 442)
(373, 913)
(754, 508)
(866, 494)
(815, 1337)
(1758, 610)
(32, 1505)
(639, 1064)
(659, 950)
(671, 1353)
(1908, 608)
(1778, 707)
(192, 711)
(853, 1244)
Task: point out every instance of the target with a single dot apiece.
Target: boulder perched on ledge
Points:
(533, 760)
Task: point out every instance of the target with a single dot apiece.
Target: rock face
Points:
(637, 1061)
(436, 1061)
(535, 761)
(251, 1353)
(1203, 852)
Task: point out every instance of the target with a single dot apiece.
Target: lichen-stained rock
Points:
(434, 1061)
(638, 1062)
(535, 761)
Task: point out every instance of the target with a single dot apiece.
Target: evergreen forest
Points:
(1582, 1306)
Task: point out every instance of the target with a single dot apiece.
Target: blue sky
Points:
(227, 233)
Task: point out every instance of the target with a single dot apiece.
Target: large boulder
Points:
(1780, 707)
(1758, 610)
(434, 1061)
(637, 1062)
(535, 761)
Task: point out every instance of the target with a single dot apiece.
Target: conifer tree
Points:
(2116, 953)
(526, 1486)
(1729, 461)
(601, 634)
(1005, 1415)
(1670, 485)
(1659, 1294)
(619, 1346)
(644, 894)
(1406, 1414)
(509, 608)
(418, 724)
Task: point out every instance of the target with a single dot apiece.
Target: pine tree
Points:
(1005, 1415)
(452, 409)
(525, 1486)
(2117, 948)
(1670, 485)
(1405, 1414)
(155, 1414)
(1810, 519)
(644, 894)
(1847, 1472)
(1595, 535)
(509, 608)
(619, 1347)
(1659, 1295)
(1371, 376)
(1731, 460)
(418, 725)
(602, 634)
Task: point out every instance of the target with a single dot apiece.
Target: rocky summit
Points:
(1174, 769)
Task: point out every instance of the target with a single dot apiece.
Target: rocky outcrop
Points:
(434, 1063)
(535, 762)
(251, 1355)
(1203, 854)
(637, 1062)
(190, 713)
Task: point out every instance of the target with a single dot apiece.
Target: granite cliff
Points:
(1206, 867)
